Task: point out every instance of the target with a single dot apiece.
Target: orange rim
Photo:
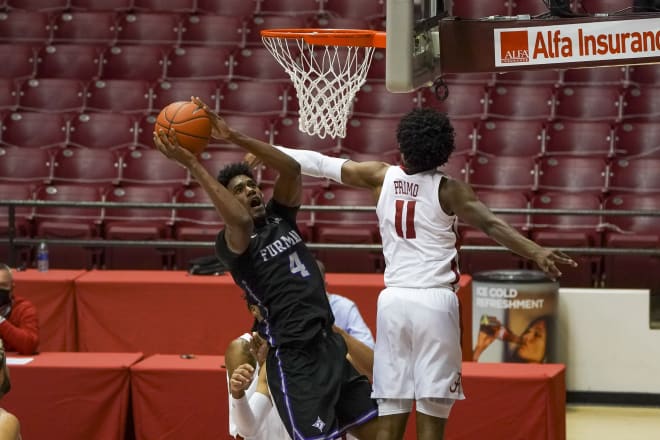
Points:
(331, 37)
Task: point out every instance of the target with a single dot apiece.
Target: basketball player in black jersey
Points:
(318, 394)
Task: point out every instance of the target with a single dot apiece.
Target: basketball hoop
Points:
(327, 68)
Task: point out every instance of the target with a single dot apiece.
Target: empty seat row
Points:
(346, 8)
(158, 28)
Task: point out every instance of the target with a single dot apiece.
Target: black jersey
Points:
(279, 275)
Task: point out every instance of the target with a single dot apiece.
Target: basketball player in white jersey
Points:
(418, 354)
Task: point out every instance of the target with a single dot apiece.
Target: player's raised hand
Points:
(220, 127)
(547, 260)
(240, 380)
(168, 145)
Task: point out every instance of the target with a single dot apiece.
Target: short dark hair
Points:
(232, 170)
(426, 139)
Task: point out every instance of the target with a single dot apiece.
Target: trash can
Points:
(514, 316)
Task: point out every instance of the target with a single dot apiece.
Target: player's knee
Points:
(389, 407)
(435, 407)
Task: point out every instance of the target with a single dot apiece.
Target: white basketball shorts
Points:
(418, 350)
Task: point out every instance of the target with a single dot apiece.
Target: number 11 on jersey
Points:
(409, 207)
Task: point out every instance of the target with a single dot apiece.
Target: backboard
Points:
(413, 46)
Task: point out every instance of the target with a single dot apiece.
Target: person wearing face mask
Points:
(19, 326)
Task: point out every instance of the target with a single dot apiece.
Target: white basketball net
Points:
(326, 79)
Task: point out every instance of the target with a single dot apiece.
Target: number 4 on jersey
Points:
(297, 266)
(409, 207)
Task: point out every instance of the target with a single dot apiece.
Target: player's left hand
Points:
(220, 128)
(259, 348)
(547, 260)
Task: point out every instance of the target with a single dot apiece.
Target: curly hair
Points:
(426, 139)
(232, 170)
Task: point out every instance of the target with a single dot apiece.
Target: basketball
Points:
(192, 126)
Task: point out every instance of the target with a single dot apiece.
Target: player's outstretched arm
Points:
(459, 198)
(288, 188)
(237, 219)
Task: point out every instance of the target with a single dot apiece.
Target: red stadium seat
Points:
(531, 7)
(151, 167)
(513, 173)
(18, 60)
(195, 225)
(572, 174)
(352, 9)
(635, 175)
(8, 95)
(642, 103)
(149, 28)
(546, 77)
(638, 139)
(199, 62)
(565, 230)
(239, 8)
(74, 61)
(511, 138)
(607, 76)
(589, 103)
(347, 227)
(473, 262)
(18, 26)
(138, 224)
(644, 74)
(374, 100)
(485, 79)
(580, 138)
(291, 7)
(216, 159)
(142, 62)
(164, 5)
(522, 102)
(257, 23)
(69, 222)
(466, 135)
(22, 215)
(371, 135)
(170, 91)
(465, 101)
(329, 21)
(457, 167)
(253, 98)
(213, 30)
(35, 130)
(27, 165)
(257, 63)
(52, 95)
(378, 67)
(38, 5)
(287, 134)
(104, 131)
(120, 95)
(145, 129)
(98, 27)
(86, 166)
(608, 6)
(101, 5)
(475, 9)
(626, 270)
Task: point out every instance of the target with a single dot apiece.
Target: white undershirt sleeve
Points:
(315, 164)
(250, 415)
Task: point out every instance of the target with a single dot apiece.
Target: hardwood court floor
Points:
(587, 422)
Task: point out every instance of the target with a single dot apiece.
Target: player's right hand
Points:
(240, 380)
(168, 145)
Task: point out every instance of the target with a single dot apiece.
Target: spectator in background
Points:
(347, 315)
(19, 326)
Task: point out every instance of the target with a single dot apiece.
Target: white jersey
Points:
(419, 239)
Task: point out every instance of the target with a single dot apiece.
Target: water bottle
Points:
(42, 257)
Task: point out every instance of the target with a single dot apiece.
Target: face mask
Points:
(5, 302)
